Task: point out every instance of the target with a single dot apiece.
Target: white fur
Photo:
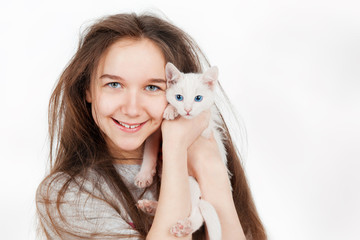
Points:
(189, 86)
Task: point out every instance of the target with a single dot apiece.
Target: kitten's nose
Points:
(188, 110)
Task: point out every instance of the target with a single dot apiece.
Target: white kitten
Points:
(188, 95)
(191, 93)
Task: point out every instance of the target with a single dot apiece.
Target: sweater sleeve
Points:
(81, 214)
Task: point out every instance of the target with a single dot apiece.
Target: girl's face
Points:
(127, 94)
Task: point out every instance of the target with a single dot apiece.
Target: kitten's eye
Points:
(152, 88)
(114, 85)
(198, 98)
(179, 97)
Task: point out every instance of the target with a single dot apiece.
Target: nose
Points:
(188, 110)
(131, 105)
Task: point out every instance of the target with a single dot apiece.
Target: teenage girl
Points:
(107, 102)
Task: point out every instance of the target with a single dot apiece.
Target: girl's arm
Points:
(206, 166)
(174, 199)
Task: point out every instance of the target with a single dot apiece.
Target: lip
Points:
(129, 130)
(188, 116)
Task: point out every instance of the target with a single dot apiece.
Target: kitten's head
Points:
(190, 93)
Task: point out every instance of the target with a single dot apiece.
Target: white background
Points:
(291, 69)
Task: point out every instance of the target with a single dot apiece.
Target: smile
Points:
(127, 127)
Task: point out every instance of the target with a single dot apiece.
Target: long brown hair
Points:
(76, 142)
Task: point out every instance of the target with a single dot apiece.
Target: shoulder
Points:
(51, 185)
(80, 206)
(90, 182)
(81, 192)
(61, 191)
(63, 183)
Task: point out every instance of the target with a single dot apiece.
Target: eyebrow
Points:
(118, 78)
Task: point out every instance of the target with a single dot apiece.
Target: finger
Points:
(204, 118)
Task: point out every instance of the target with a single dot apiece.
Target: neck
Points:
(128, 161)
(135, 154)
(128, 157)
(132, 158)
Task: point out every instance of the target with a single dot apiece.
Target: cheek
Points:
(101, 107)
(156, 108)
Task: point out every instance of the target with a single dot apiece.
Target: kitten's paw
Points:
(144, 179)
(182, 228)
(147, 206)
(170, 113)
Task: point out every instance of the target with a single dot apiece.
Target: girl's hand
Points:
(182, 132)
(204, 155)
(206, 165)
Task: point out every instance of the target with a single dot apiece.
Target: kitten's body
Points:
(188, 95)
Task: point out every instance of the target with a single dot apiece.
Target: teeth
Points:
(128, 126)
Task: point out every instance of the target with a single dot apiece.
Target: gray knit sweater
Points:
(85, 214)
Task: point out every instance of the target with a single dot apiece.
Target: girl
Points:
(107, 102)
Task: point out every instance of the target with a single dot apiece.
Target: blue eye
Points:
(152, 88)
(114, 85)
(179, 97)
(198, 98)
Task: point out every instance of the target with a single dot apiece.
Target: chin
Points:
(128, 147)
(188, 116)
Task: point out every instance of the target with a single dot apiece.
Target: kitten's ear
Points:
(172, 74)
(210, 77)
